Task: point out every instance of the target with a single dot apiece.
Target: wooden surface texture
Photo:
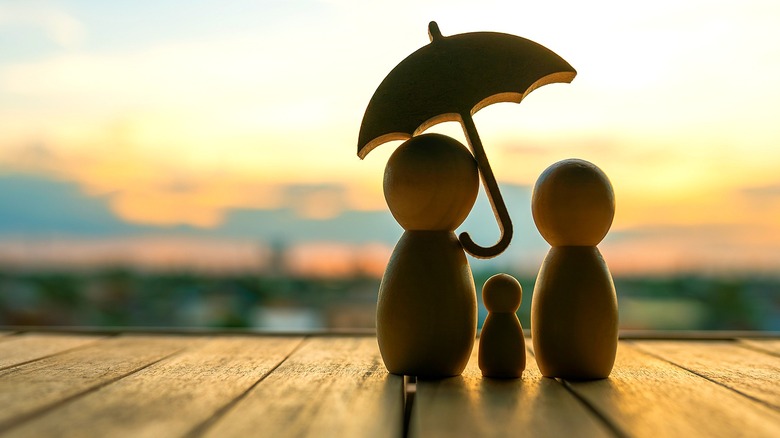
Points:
(218, 385)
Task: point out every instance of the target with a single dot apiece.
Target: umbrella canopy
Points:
(450, 79)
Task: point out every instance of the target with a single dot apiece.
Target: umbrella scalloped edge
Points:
(514, 97)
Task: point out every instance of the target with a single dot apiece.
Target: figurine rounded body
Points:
(574, 314)
(427, 310)
(502, 344)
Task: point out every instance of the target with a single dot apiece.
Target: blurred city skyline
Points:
(210, 132)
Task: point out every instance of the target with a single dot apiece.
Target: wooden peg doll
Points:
(574, 315)
(501, 344)
(426, 310)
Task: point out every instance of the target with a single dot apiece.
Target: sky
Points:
(239, 120)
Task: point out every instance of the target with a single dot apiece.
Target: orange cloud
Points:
(333, 260)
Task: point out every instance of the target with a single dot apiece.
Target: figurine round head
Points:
(502, 293)
(431, 183)
(573, 204)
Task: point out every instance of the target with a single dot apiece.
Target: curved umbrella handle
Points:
(493, 194)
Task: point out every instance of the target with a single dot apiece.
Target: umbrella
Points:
(450, 79)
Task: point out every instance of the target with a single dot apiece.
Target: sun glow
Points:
(676, 102)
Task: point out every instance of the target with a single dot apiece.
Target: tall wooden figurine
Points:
(427, 310)
(574, 315)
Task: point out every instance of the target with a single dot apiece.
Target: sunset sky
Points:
(181, 115)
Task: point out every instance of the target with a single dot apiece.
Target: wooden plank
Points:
(171, 397)
(694, 335)
(742, 369)
(771, 346)
(31, 346)
(35, 386)
(649, 397)
(470, 405)
(330, 387)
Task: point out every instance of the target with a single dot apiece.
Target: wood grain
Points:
(330, 387)
(742, 369)
(649, 397)
(32, 387)
(470, 405)
(242, 385)
(171, 397)
(771, 346)
(27, 347)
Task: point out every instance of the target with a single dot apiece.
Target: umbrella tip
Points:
(433, 31)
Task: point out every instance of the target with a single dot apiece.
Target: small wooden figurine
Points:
(427, 308)
(574, 315)
(501, 344)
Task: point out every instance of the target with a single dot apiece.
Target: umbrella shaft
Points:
(493, 194)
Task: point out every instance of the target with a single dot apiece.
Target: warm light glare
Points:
(212, 110)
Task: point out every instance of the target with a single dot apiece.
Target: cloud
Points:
(337, 259)
(317, 201)
(148, 252)
(32, 155)
(717, 247)
(36, 206)
(58, 25)
(765, 193)
(141, 188)
(679, 232)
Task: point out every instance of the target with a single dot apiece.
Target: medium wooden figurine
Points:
(574, 315)
(501, 343)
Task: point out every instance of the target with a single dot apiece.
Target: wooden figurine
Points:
(427, 309)
(574, 314)
(501, 343)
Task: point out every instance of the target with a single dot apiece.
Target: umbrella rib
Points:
(493, 195)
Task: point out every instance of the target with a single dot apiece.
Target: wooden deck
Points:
(223, 385)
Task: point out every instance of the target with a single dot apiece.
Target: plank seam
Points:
(709, 379)
(17, 421)
(203, 427)
(757, 348)
(613, 428)
(410, 390)
(88, 344)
